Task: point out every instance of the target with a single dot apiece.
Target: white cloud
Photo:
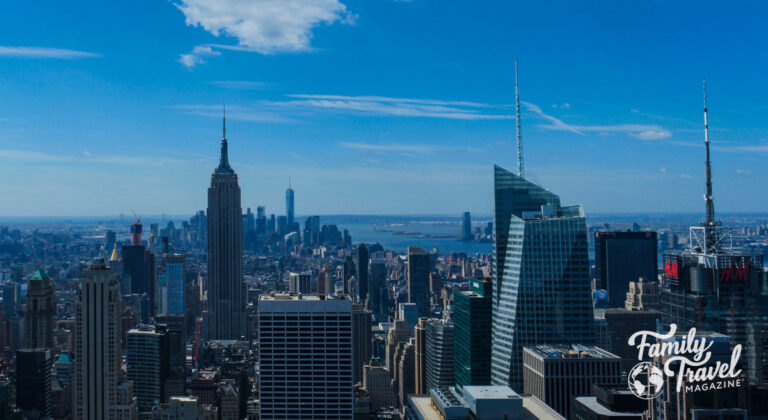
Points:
(638, 131)
(265, 26)
(235, 113)
(42, 52)
(663, 170)
(401, 107)
(29, 156)
(742, 171)
(196, 57)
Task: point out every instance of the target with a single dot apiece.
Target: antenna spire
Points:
(710, 204)
(224, 122)
(224, 157)
(289, 182)
(519, 129)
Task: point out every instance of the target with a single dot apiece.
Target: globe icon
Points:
(646, 380)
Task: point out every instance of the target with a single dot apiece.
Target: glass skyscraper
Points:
(542, 292)
(472, 334)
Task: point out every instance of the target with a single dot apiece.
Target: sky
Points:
(379, 106)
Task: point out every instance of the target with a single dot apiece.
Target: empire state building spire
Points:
(224, 167)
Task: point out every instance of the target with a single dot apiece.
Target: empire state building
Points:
(224, 317)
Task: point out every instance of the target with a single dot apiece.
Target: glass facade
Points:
(542, 295)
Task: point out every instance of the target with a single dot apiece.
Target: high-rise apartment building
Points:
(439, 353)
(305, 357)
(224, 317)
(38, 326)
(418, 279)
(472, 333)
(98, 390)
(542, 293)
(378, 383)
(300, 283)
(621, 258)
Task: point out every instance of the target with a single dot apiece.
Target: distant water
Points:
(397, 233)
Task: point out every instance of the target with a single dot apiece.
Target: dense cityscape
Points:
(233, 314)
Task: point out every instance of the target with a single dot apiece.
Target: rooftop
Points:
(490, 392)
(571, 351)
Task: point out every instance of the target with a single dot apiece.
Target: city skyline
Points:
(325, 100)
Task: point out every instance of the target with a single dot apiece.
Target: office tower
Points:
(110, 238)
(136, 229)
(229, 401)
(643, 295)
(466, 227)
(261, 221)
(361, 340)
(300, 283)
(378, 281)
(439, 353)
(620, 324)
(115, 262)
(224, 318)
(11, 299)
(33, 381)
(282, 225)
(623, 257)
(715, 287)
(323, 282)
(436, 289)
(556, 373)
(408, 312)
(378, 383)
(418, 279)
(542, 293)
(271, 224)
(148, 364)
(472, 333)
(64, 369)
(420, 357)
(315, 368)
(362, 272)
(312, 231)
(172, 293)
(405, 380)
(97, 346)
(136, 270)
(174, 328)
(289, 217)
(38, 326)
(399, 333)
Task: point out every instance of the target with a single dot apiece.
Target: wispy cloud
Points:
(196, 56)
(43, 52)
(30, 156)
(236, 113)
(406, 148)
(240, 84)
(761, 148)
(401, 107)
(264, 26)
(742, 171)
(638, 131)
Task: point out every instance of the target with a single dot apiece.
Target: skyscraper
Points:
(376, 287)
(38, 327)
(148, 364)
(306, 371)
(362, 340)
(472, 333)
(418, 279)
(542, 293)
(33, 381)
(466, 227)
(97, 346)
(224, 318)
(362, 272)
(622, 257)
(173, 296)
(289, 216)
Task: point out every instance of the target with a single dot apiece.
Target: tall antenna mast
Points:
(710, 204)
(224, 123)
(519, 129)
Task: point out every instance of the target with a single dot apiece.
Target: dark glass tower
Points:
(472, 334)
(622, 257)
(362, 272)
(224, 318)
(542, 293)
(418, 279)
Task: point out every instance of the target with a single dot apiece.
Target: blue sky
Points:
(378, 106)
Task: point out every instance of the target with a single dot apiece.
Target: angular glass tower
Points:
(541, 293)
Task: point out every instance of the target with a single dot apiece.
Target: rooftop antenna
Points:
(289, 182)
(224, 123)
(519, 129)
(709, 223)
